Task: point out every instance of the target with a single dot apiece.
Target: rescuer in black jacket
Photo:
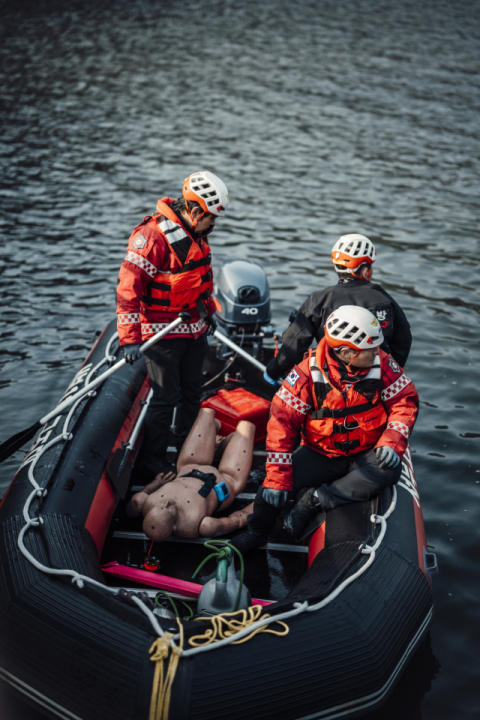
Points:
(352, 256)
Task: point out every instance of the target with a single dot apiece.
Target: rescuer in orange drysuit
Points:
(356, 410)
(167, 269)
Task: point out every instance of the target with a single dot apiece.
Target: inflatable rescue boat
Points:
(95, 623)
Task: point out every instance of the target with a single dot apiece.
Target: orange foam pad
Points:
(231, 406)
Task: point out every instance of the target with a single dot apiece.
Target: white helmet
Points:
(351, 251)
(353, 326)
(208, 190)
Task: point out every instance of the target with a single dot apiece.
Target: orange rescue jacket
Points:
(164, 271)
(180, 287)
(338, 415)
(343, 421)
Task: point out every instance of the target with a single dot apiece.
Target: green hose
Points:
(170, 600)
(191, 614)
(161, 593)
(224, 552)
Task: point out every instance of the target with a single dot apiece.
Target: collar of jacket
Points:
(353, 281)
(163, 207)
(335, 372)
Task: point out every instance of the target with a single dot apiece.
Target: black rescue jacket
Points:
(310, 321)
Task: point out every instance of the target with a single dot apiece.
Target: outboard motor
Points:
(242, 297)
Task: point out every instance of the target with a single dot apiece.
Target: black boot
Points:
(249, 541)
(307, 505)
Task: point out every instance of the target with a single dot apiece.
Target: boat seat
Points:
(127, 535)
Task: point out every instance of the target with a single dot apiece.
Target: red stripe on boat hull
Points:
(106, 498)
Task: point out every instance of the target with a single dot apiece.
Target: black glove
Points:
(387, 457)
(277, 498)
(132, 353)
(273, 371)
(211, 324)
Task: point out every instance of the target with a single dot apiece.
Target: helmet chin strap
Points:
(194, 222)
(360, 277)
(354, 358)
(351, 361)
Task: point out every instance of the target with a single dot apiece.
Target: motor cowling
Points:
(242, 295)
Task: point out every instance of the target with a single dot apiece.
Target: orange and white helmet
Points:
(351, 251)
(353, 326)
(208, 190)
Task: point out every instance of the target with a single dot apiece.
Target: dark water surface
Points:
(323, 118)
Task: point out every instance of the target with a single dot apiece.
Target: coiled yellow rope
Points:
(228, 624)
(162, 684)
(223, 627)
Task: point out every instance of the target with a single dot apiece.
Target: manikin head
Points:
(161, 521)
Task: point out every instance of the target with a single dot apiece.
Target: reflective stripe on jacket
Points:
(181, 287)
(385, 388)
(164, 271)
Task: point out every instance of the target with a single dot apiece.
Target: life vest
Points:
(189, 279)
(346, 421)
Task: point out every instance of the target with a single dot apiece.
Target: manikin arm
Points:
(214, 527)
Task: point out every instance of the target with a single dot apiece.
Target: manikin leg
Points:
(199, 447)
(237, 458)
(235, 467)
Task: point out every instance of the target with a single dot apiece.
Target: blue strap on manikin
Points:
(209, 484)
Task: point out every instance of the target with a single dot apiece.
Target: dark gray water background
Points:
(323, 118)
